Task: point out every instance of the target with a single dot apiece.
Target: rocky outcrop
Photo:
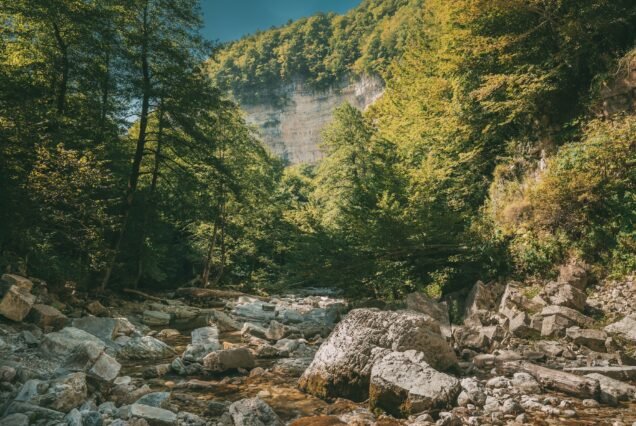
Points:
(342, 366)
(293, 130)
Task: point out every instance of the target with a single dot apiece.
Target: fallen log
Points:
(203, 293)
(144, 295)
(571, 384)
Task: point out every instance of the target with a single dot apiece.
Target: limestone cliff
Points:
(293, 130)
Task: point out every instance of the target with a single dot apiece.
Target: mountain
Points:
(290, 79)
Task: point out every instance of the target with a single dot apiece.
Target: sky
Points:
(227, 20)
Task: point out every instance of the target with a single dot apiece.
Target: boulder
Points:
(153, 415)
(342, 365)
(147, 347)
(16, 303)
(278, 331)
(47, 317)
(255, 311)
(229, 359)
(97, 309)
(402, 383)
(561, 294)
(17, 419)
(61, 394)
(625, 328)
(106, 329)
(155, 318)
(254, 330)
(419, 302)
(555, 319)
(574, 274)
(590, 338)
(253, 412)
(91, 358)
(613, 391)
(204, 341)
(64, 341)
(482, 297)
(521, 326)
(23, 283)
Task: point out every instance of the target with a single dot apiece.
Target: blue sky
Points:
(227, 20)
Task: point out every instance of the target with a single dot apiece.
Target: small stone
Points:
(229, 359)
(153, 415)
(252, 412)
(590, 403)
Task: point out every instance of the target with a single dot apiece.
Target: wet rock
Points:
(155, 318)
(419, 302)
(402, 383)
(16, 303)
(153, 415)
(253, 412)
(342, 365)
(42, 413)
(204, 341)
(64, 341)
(229, 359)
(625, 328)
(91, 358)
(61, 394)
(156, 371)
(148, 348)
(590, 338)
(47, 317)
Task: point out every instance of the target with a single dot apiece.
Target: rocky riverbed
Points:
(550, 353)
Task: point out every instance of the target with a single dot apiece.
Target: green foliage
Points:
(321, 50)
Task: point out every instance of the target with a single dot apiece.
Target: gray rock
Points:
(525, 383)
(253, 412)
(154, 399)
(342, 365)
(91, 358)
(106, 329)
(91, 418)
(189, 419)
(482, 297)
(619, 373)
(625, 328)
(224, 322)
(419, 302)
(255, 311)
(61, 394)
(155, 318)
(153, 415)
(16, 303)
(590, 338)
(17, 419)
(278, 331)
(565, 295)
(474, 392)
(41, 413)
(613, 391)
(521, 326)
(204, 341)
(402, 383)
(229, 359)
(574, 274)
(147, 347)
(254, 330)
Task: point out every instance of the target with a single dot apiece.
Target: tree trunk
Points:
(63, 85)
(141, 144)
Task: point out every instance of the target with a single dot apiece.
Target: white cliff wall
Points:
(293, 131)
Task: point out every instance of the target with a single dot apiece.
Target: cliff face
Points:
(293, 131)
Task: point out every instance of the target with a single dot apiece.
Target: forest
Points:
(125, 160)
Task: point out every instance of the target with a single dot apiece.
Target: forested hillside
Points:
(494, 152)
